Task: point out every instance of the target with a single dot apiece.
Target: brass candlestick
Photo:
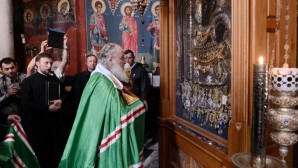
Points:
(143, 61)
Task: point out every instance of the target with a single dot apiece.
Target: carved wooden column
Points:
(164, 58)
(6, 29)
(239, 129)
(164, 82)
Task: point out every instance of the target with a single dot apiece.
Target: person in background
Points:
(82, 78)
(108, 130)
(76, 84)
(139, 77)
(141, 87)
(42, 117)
(58, 67)
(10, 103)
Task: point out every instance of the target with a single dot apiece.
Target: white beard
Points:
(119, 72)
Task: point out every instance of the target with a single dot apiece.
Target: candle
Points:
(23, 38)
(261, 60)
(260, 110)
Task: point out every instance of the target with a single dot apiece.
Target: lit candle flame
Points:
(261, 60)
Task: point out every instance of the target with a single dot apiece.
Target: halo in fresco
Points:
(25, 15)
(123, 7)
(103, 5)
(153, 8)
(59, 6)
(47, 7)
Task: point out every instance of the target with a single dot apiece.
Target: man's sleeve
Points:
(58, 74)
(2, 96)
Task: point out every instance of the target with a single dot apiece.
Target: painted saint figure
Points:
(63, 13)
(154, 29)
(98, 26)
(129, 27)
(44, 14)
(28, 18)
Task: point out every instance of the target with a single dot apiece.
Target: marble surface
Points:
(150, 154)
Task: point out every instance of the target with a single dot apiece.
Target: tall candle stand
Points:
(257, 158)
(283, 117)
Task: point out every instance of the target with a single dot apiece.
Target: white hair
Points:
(106, 52)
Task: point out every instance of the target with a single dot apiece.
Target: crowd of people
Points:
(98, 118)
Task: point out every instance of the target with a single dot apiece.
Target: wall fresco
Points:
(113, 21)
(38, 16)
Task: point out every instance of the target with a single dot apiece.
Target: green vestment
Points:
(106, 131)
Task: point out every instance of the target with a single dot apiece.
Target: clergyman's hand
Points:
(55, 105)
(13, 118)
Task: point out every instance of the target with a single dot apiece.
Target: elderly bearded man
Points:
(109, 127)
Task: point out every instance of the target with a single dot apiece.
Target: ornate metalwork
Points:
(204, 64)
(284, 101)
(284, 118)
(284, 138)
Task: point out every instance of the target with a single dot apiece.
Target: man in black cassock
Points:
(140, 87)
(71, 104)
(82, 78)
(139, 77)
(41, 118)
